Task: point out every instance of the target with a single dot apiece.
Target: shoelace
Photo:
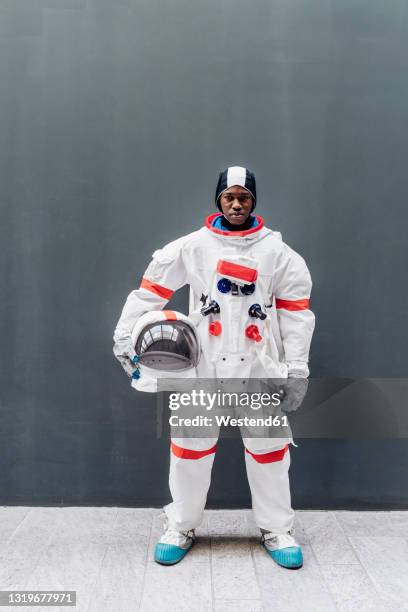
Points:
(284, 539)
(172, 536)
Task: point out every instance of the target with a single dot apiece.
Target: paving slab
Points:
(352, 589)
(385, 560)
(394, 523)
(353, 561)
(180, 588)
(303, 590)
(327, 538)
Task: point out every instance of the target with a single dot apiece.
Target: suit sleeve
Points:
(163, 276)
(292, 289)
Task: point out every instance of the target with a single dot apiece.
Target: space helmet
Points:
(167, 346)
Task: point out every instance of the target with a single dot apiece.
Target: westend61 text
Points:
(206, 421)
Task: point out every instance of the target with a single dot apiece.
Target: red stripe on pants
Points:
(188, 453)
(269, 457)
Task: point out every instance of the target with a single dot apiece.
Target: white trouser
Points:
(191, 461)
(267, 459)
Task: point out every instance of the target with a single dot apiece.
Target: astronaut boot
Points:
(283, 549)
(173, 545)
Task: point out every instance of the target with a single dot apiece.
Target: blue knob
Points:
(224, 285)
(248, 289)
(136, 375)
(136, 359)
(256, 311)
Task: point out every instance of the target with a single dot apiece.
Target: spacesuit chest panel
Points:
(233, 289)
(201, 263)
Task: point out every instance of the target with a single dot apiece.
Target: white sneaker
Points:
(283, 549)
(173, 545)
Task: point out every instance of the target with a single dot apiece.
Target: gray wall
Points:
(115, 120)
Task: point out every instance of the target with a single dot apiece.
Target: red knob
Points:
(252, 332)
(215, 328)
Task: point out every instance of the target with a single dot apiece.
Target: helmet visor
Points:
(168, 345)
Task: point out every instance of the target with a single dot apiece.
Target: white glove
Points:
(125, 354)
(295, 389)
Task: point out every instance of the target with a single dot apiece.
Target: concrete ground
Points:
(353, 561)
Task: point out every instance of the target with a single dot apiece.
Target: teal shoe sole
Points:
(169, 554)
(290, 557)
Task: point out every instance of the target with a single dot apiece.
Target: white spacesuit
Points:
(256, 292)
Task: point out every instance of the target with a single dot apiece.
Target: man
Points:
(253, 291)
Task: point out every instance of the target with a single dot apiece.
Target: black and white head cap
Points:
(236, 175)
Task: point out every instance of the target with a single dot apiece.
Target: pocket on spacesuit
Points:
(268, 364)
(274, 332)
(273, 354)
(158, 265)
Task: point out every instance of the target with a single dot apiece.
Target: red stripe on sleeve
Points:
(293, 304)
(163, 292)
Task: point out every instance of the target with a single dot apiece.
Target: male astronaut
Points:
(259, 326)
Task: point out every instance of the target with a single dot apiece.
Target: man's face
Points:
(236, 204)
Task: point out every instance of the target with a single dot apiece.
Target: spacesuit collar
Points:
(252, 230)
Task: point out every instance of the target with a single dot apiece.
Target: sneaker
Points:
(283, 549)
(173, 545)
